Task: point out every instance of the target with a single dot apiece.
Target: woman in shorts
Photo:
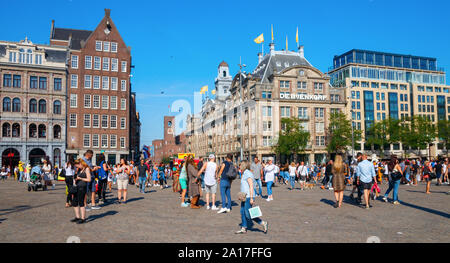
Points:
(183, 185)
(82, 179)
(123, 173)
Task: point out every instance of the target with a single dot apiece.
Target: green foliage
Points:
(292, 138)
(418, 132)
(340, 133)
(443, 131)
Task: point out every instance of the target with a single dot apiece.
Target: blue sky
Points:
(177, 45)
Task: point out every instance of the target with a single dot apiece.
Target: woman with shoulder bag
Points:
(247, 199)
(81, 179)
(428, 175)
(394, 181)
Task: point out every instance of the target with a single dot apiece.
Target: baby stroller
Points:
(36, 183)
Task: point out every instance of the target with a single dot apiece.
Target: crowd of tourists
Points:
(193, 180)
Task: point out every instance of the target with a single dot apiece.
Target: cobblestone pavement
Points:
(294, 216)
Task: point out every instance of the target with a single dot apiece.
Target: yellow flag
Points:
(259, 39)
(213, 92)
(204, 89)
(296, 36)
(272, 31)
(286, 43)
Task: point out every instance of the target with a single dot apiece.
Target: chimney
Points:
(260, 57)
(272, 48)
(107, 12)
(301, 51)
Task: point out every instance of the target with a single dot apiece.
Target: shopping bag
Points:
(255, 212)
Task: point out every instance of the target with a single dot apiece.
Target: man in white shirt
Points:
(302, 173)
(269, 170)
(210, 180)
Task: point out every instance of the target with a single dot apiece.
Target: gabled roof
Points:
(277, 62)
(77, 36)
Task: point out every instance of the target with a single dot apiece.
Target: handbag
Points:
(73, 190)
(255, 212)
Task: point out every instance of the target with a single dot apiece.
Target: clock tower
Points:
(223, 81)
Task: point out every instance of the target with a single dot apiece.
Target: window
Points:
(33, 106)
(6, 130)
(284, 84)
(105, 102)
(42, 83)
(87, 120)
(104, 121)
(113, 83)
(87, 101)
(113, 141)
(88, 62)
(104, 141)
(12, 57)
(123, 123)
(95, 141)
(16, 105)
(106, 46)
(73, 100)
(95, 121)
(318, 86)
(124, 66)
(7, 80)
(105, 83)
(123, 104)
(86, 140)
(73, 81)
(98, 45)
(267, 111)
(17, 81)
(113, 122)
(122, 142)
(97, 62)
(114, 102)
(302, 113)
(266, 94)
(33, 82)
(74, 63)
(42, 106)
(319, 112)
(73, 120)
(320, 140)
(57, 107)
(6, 104)
(105, 64)
(267, 126)
(301, 85)
(57, 84)
(42, 131)
(267, 141)
(114, 64)
(123, 85)
(114, 47)
(320, 127)
(96, 82)
(56, 132)
(87, 81)
(96, 101)
(285, 112)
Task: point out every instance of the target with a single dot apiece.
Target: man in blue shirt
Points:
(365, 175)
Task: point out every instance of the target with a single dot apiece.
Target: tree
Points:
(385, 132)
(443, 132)
(292, 139)
(339, 134)
(418, 133)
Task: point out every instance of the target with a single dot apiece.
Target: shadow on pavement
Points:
(95, 217)
(2, 219)
(328, 202)
(134, 199)
(433, 192)
(429, 210)
(20, 208)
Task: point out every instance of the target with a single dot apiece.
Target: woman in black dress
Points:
(81, 180)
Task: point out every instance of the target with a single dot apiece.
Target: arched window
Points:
(6, 130)
(224, 73)
(21, 56)
(42, 131)
(29, 56)
(16, 105)
(16, 130)
(33, 106)
(57, 107)
(6, 104)
(42, 106)
(56, 132)
(32, 131)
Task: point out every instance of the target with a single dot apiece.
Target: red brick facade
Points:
(171, 144)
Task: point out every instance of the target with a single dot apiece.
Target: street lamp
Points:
(353, 136)
(241, 101)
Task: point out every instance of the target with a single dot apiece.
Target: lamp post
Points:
(241, 100)
(353, 136)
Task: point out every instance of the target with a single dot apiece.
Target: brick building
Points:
(171, 144)
(98, 90)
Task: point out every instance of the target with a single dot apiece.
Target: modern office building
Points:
(284, 84)
(33, 96)
(99, 90)
(385, 85)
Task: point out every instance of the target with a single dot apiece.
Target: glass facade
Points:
(369, 115)
(441, 108)
(393, 105)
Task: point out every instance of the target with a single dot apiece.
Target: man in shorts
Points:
(210, 180)
(365, 175)
(302, 173)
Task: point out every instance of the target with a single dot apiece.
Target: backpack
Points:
(232, 172)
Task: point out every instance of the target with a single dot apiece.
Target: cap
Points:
(211, 156)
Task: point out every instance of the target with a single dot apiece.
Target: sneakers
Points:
(269, 199)
(184, 204)
(208, 207)
(223, 210)
(242, 231)
(214, 208)
(88, 209)
(95, 207)
(385, 199)
(396, 202)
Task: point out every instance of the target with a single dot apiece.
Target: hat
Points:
(211, 156)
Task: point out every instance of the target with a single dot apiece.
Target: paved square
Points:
(294, 216)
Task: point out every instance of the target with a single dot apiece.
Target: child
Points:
(375, 189)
